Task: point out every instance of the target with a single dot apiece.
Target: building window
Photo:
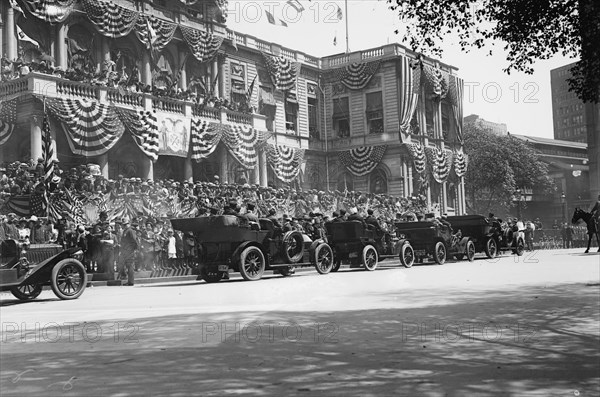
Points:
(267, 106)
(291, 113)
(341, 117)
(429, 118)
(378, 182)
(313, 126)
(445, 120)
(238, 85)
(375, 113)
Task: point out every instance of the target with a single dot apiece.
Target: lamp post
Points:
(564, 206)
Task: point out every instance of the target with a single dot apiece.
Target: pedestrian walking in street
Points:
(129, 246)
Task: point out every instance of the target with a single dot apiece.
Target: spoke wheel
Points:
(293, 247)
(470, 251)
(520, 250)
(323, 259)
(68, 279)
(407, 255)
(211, 276)
(27, 292)
(440, 253)
(252, 264)
(491, 248)
(369, 258)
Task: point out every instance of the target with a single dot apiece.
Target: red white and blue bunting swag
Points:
(440, 162)
(285, 161)
(92, 128)
(162, 32)
(8, 119)
(241, 140)
(355, 76)
(143, 126)
(410, 86)
(417, 152)
(362, 160)
(455, 95)
(49, 10)
(436, 82)
(282, 71)
(204, 45)
(110, 19)
(461, 162)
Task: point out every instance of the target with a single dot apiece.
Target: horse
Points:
(591, 226)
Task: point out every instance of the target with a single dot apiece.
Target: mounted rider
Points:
(595, 211)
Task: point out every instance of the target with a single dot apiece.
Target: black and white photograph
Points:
(300, 198)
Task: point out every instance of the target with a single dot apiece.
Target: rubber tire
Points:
(297, 237)
(323, 252)
(403, 256)
(261, 263)
(210, 276)
(520, 250)
(491, 248)
(439, 248)
(27, 296)
(337, 263)
(470, 251)
(54, 282)
(368, 254)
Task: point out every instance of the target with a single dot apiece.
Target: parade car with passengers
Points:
(228, 242)
(26, 268)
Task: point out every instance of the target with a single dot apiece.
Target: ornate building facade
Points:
(157, 89)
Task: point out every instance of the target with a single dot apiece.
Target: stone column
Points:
(61, 57)
(183, 77)
(146, 69)
(103, 163)
(224, 164)
(262, 164)
(35, 137)
(188, 171)
(221, 81)
(463, 198)
(148, 169)
(11, 38)
(105, 52)
(213, 75)
(411, 188)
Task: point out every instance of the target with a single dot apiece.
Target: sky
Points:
(521, 101)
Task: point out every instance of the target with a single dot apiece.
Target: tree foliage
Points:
(498, 166)
(531, 30)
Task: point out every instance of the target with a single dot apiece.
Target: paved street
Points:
(524, 326)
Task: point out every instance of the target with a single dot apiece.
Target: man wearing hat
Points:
(10, 227)
(128, 248)
(354, 216)
(371, 220)
(250, 215)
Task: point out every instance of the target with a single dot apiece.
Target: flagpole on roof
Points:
(347, 45)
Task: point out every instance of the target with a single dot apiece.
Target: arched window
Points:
(345, 182)
(378, 183)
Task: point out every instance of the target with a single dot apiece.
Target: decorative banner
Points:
(206, 135)
(437, 82)
(173, 135)
(110, 19)
(242, 140)
(460, 163)
(158, 36)
(8, 119)
(284, 161)
(92, 128)
(438, 159)
(456, 95)
(356, 76)
(362, 160)
(410, 77)
(417, 152)
(282, 71)
(204, 45)
(143, 126)
(50, 10)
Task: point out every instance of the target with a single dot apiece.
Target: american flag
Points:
(48, 151)
(8, 119)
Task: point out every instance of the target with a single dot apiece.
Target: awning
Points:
(266, 98)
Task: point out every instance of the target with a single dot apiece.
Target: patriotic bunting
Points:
(92, 128)
(436, 82)
(109, 18)
(417, 152)
(206, 136)
(455, 95)
(355, 76)
(50, 10)
(143, 126)
(282, 71)
(8, 119)
(242, 140)
(284, 161)
(20, 205)
(154, 33)
(47, 151)
(438, 159)
(204, 45)
(362, 160)
(460, 163)
(410, 77)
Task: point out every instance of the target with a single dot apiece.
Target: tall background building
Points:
(496, 128)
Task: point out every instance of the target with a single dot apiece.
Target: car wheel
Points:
(407, 255)
(293, 247)
(27, 292)
(211, 276)
(439, 254)
(68, 279)
(520, 250)
(369, 258)
(323, 259)
(337, 263)
(470, 251)
(252, 263)
(491, 248)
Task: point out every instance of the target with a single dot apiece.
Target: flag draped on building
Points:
(51, 11)
(283, 72)
(410, 84)
(362, 160)
(154, 33)
(206, 135)
(92, 128)
(439, 162)
(417, 152)
(8, 119)
(355, 76)
(436, 82)
(242, 141)
(460, 163)
(204, 45)
(285, 161)
(109, 18)
(23, 37)
(143, 127)
(455, 95)
(47, 151)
